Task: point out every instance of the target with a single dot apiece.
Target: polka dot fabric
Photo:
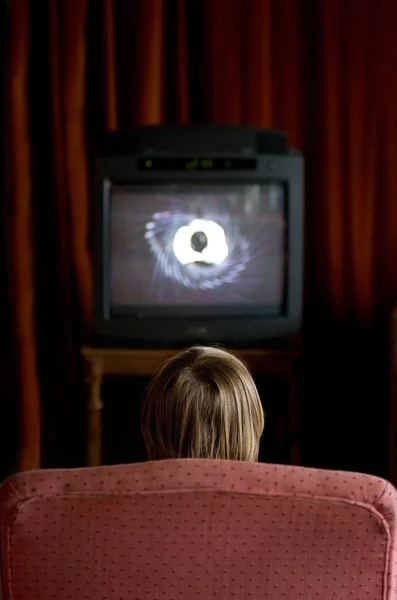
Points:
(196, 530)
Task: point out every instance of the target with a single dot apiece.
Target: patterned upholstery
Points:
(195, 530)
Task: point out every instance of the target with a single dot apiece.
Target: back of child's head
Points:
(203, 403)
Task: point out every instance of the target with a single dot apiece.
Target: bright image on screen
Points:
(193, 245)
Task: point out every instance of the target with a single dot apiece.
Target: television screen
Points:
(208, 247)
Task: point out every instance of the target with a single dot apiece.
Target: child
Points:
(203, 403)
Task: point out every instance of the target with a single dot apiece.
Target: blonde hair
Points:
(203, 403)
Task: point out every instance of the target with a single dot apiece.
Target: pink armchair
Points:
(195, 530)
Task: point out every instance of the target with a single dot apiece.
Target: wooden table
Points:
(99, 362)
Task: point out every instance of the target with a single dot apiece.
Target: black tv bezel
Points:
(245, 328)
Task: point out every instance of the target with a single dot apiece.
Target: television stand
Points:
(100, 362)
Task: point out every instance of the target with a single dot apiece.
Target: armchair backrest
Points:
(197, 529)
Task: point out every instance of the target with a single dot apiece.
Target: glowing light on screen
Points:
(168, 242)
(198, 253)
(209, 234)
(202, 242)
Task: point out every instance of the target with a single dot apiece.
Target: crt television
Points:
(198, 237)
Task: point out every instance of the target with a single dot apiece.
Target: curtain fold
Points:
(109, 66)
(67, 89)
(181, 69)
(321, 71)
(351, 127)
(18, 231)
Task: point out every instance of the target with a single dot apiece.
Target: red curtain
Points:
(321, 70)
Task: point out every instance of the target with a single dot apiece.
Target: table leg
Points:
(94, 417)
(294, 419)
